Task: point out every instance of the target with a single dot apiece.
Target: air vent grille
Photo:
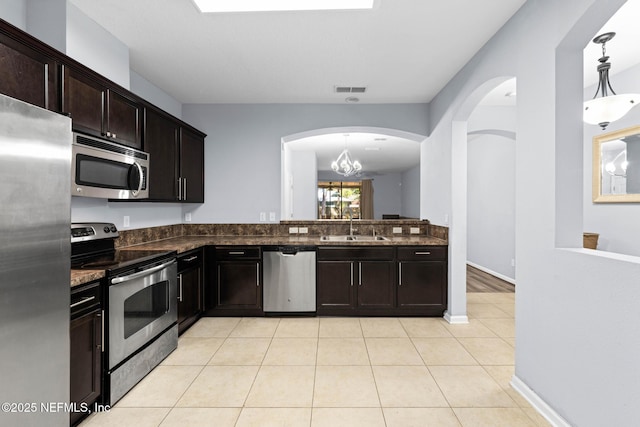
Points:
(350, 89)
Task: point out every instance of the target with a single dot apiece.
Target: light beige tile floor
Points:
(393, 372)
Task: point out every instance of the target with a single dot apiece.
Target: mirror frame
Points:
(597, 168)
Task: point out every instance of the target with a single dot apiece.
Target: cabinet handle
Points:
(351, 273)
(400, 273)
(102, 335)
(184, 180)
(236, 252)
(82, 301)
(422, 253)
(257, 274)
(191, 258)
(179, 188)
(180, 287)
(359, 274)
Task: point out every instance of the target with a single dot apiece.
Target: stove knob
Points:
(113, 227)
(106, 229)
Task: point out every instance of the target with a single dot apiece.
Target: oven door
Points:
(141, 306)
(108, 171)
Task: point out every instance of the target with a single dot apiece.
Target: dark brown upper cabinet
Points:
(27, 74)
(177, 159)
(99, 110)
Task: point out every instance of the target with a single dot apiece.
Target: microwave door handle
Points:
(141, 273)
(140, 181)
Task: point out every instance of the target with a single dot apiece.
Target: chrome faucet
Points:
(351, 229)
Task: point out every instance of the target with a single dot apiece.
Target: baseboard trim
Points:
(538, 404)
(493, 273)
(455, 320)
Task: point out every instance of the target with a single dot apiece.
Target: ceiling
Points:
(379, 154)
(403, 51)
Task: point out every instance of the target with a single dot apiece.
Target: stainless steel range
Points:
(141, 304)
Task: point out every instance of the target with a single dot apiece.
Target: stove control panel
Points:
(81, 232)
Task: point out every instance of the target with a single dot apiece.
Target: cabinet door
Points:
(83, 99)
(123, 120)
(239, 285)
(192, 167)
(189, 297)
(86, 362)
(335, 285)
(375, 284)
(422, 284)
(27, 75)
(161, 142)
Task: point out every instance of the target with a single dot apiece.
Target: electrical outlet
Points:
(414, 230)
(397, 230)
(513, 262)
(187, 217)
(303, 230)
(263, 216)
(272, 216)
(125, 221)
(446, 219)
(293, 230)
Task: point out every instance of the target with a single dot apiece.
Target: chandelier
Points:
(344, 165)
(608, 108)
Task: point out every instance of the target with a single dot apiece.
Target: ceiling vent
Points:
(350, 89)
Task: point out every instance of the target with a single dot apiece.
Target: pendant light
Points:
(344, 165)
(609, 107)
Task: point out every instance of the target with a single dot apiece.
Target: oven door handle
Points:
(143, 273)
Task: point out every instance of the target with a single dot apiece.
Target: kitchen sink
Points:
(348, 238)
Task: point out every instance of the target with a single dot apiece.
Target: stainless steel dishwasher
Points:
(289, 279)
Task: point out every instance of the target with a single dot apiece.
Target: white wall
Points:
(153, 94)
(47, 21)
(305, 185)
(141, 215)
(576, 310)
(15, 13)
(387, 194)
(411, 193)
(95, 47)
(491, 190)
(243, 148)
(617, 223)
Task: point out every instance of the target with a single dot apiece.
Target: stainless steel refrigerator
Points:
(35, 167)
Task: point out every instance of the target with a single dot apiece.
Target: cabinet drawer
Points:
(85, 298)
(342, 253)
(422, 253)
(239, 252)
(190, 260)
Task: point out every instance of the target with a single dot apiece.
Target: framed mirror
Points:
(616, 166)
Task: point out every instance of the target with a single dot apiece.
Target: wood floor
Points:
(479, 281)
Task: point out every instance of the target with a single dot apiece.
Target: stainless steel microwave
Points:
(106, 170)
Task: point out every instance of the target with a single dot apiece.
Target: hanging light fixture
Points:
(344, 165)
(608, 108)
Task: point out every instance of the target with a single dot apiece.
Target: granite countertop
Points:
(79, 277)
(187, 243)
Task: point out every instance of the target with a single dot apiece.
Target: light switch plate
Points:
(272, 216)
(414, 230)
(397, 230)
(263, 216)
(125, 221)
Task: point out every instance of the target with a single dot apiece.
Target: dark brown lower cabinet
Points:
(422, 279)
(85, 335)
(238, 281)
(190, 289)
(355, 280)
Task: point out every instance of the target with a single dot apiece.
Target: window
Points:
(339, 200)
